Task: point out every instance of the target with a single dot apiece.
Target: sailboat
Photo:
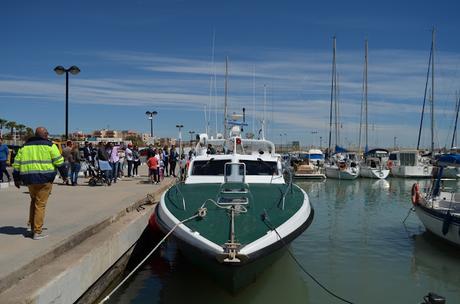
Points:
(235, 213)
(453, 171)
(374, 163)
(414, 163)
(340, 163)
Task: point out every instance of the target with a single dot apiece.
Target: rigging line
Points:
(200, 213)
(266, 220)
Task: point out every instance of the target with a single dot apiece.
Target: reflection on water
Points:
(357, 246)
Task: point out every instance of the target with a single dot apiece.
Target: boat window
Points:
(260, 167)
(234, 172)
(209, 167)
(393, 157)
(407, 159)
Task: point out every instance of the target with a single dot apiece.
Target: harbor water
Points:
(357, 246)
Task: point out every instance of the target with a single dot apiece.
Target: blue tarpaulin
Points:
(340, 149)
(449, 160)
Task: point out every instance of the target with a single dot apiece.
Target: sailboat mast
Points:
(424, 97)
(365, 96)
(332, 94)
(226, 94)
(457, 107)
(432, 93)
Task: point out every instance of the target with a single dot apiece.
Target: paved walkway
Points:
(69, 211)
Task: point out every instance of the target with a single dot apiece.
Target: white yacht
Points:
(409, 164)
(374, 164)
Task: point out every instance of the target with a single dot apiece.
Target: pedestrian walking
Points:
(3, 158)
(136, 161)
(66, 154)
(35, 166)
(75, 164)
(166, 160)
(152, 163)
(172, 160)
(129, 158)
(112, 150)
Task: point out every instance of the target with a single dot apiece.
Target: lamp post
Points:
(180, 137)
(281, 142)
(74, 70)
(191, 137)
(150, 117)
(394, 140)
(285, 142)
(320, 142)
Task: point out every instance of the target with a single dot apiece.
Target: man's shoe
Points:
(39, 236)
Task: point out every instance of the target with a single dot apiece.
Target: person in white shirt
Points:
(129, 158)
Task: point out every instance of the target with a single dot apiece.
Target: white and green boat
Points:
(249, 213)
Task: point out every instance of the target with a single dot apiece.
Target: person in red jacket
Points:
(152, 163)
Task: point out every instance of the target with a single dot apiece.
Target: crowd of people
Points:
(119, 161)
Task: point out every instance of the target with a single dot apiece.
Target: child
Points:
(152, 163)
(162, 169)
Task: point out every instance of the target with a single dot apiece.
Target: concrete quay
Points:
(90, 229)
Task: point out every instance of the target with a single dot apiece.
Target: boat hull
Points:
(235, 277)
(373, 172)
(336, 173)
(201, 247)
(412, 171)
(435, 222)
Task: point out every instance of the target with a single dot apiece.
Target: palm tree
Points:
(20, 128)
(11, 125)
(2, 123)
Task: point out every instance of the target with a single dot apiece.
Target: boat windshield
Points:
(216, 167)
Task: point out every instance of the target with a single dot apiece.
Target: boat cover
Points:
(449, 160)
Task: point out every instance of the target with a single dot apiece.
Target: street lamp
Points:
(74, 70)
(180, 137)
(281, 142)
(285, 143)
(191, 137)
(150, 117)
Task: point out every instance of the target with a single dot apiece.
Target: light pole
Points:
(281, 142)
(320, 142)
(180, 138)
(150, 117)
(191, 137)
(74, 70)
(394, 140)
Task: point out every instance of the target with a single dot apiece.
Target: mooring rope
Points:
(268, 223)
(408, 213)
(200, 213)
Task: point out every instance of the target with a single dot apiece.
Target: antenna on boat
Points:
(226, 94)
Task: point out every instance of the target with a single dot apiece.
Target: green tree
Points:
(11, 125)
(20, 128)
(2, 123)
(136, 140)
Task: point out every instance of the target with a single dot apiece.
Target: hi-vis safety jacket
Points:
(36, 162)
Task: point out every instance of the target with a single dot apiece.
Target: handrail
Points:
(180, 192)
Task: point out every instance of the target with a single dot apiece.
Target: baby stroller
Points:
(98, 174)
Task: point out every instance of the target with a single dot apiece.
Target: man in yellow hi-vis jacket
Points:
(35, 166)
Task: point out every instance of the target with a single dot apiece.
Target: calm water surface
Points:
(357, 246)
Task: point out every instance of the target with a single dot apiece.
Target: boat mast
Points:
(424, 96)
(226, 93)
(332, 95)
(253, 99)
(432, 93)
(365, 96)
(265, 106)
(457, 107)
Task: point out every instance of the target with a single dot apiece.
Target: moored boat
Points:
(437, 208)
(374, 164)
(247, 211)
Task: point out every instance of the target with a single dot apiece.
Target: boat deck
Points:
(262, 198)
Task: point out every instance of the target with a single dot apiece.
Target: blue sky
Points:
(136, 56)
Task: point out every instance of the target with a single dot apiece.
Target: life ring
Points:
(415, 194)
(390, 164)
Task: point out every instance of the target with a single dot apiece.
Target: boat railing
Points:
(177, 182)
(288, 186)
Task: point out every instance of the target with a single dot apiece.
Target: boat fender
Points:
(415, 194)
(390, 164)
(446, 223)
